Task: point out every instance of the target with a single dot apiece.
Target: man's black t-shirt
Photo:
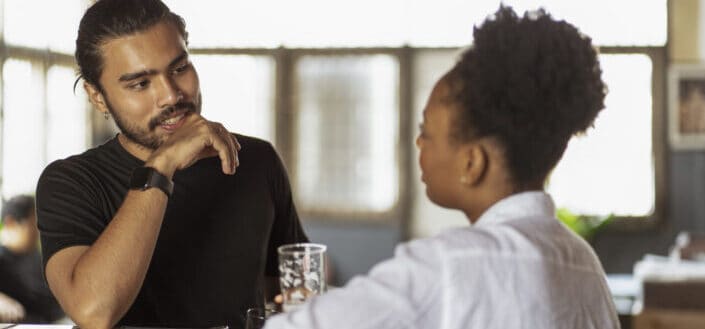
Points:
(218, 238)
(21, 278)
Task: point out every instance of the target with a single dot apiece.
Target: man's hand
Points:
(196, 139)
(10, 309)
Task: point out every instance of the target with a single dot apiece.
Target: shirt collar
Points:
(516, 206)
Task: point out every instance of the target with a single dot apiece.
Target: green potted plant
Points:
(583, 225)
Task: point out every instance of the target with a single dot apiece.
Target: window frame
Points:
(284, 115)
(657, 219)
(396, 211)
(285, 118)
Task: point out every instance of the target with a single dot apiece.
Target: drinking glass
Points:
(302, 268)
(255, 318)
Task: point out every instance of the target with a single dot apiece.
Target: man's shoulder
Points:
(249, 142)
(256, 152)
(71, 164)
(74, 162)
(90, 163)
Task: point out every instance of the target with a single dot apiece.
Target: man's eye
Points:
(181, 69)
(140, 85)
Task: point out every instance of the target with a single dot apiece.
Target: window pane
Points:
(67, 123)
(55, 26)
(238, 91)
(23, 125)
(611, 170)
(346, 130)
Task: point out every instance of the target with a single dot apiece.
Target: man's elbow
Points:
(93, 316)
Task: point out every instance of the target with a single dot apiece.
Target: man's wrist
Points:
(162, 165)
(144, 178)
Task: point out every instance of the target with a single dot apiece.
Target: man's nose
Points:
(169, 94)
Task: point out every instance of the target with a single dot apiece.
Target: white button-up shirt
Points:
(517, 267)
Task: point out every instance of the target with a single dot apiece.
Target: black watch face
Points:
(146, 177)
(140, 178)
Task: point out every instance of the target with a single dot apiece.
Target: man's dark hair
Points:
(530, 83)
(19, 207)
(109, 19)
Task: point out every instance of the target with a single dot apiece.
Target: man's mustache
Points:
(187, 106)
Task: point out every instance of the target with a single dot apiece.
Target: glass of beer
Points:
(302, 269)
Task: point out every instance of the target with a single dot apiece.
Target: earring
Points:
(106, 116)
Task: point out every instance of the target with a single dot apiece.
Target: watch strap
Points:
(144, 178)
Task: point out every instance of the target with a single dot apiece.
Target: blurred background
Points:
(338, 87)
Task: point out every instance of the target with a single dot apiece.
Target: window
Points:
(617, 168)
(42, 119)
(67, 124)
(23, 127)
(346, 157)
(338, 89)
(610, 170)
(238, 92)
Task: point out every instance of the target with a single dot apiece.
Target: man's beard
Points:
(146, 137)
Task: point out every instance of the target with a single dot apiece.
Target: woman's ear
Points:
(474, 163)
(96, 97)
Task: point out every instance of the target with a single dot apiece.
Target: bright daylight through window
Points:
(338, 116)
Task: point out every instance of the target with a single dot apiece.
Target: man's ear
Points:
(474, 162)
(96, 97)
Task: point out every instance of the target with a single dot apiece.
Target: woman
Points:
(494, 127)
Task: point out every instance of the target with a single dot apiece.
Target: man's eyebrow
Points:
(178, 59)
(137, 75)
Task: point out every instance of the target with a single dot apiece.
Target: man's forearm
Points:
(106, 278)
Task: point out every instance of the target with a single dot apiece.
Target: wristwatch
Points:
(144, 178)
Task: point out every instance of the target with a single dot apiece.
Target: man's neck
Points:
(137, 150)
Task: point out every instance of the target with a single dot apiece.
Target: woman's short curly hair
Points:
(530, 83)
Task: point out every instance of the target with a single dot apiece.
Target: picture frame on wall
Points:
(686, 106)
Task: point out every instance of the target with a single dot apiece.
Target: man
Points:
(493, 129)
(155, 227)
(24, 296)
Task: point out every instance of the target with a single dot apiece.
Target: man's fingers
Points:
(229, 138)
(225, 146)
(237, 143)
(224, 154)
